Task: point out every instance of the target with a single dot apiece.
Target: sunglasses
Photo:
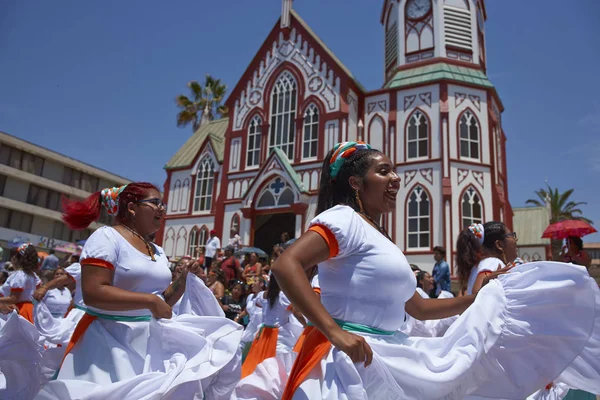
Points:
(512, 235)
(158, 203)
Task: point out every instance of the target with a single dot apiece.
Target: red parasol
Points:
(568, 227)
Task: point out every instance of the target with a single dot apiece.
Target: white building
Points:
(437, 116)
(32, 181)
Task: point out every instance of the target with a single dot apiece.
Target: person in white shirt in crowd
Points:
(212, 246)
(235, 240)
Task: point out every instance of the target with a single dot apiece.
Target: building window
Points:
(16, 220)
(283, 114)
(175, 193)
(80, 180)
(42, 197)
(254, 136)
(196, 241)
(61, 232)
(2, 184)
(471, 208)
(417, 135)
(205, 177)
(18, 159)
(469, 135)
(419, 213)
(311, 132)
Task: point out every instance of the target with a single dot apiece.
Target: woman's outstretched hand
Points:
(495, 274)
(355, 346)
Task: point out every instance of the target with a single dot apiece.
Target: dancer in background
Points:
(118, 350)
(23, 281)
(483, 249)
(276, 336)
(58, 299)
(497, 347)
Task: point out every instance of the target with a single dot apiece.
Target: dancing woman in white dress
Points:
(126, 345)
(497, 347)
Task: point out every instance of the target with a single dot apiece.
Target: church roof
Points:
(327, 49)
(436, 72)
(530, 223)
(213, 131)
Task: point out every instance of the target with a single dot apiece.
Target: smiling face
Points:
(427, 283)
(149, 213)
(379, 187)
(510, 245)
(253, 258)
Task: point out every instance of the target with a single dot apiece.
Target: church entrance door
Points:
(269, 227)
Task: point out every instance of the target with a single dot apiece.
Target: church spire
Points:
(286, 8)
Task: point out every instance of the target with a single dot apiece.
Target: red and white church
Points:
(437, 116)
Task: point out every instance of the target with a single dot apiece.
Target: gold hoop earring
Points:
(357, 197)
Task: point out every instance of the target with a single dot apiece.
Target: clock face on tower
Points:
(416, 9)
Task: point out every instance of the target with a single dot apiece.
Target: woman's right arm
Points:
(309, 250)
(98, 292)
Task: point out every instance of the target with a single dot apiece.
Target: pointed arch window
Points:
(254, 138)
(198, 239)
(176, 193)
(419, 216)
(235, 223)
(283, 114)
(205, 177)
(311, 132)
(469, 135)
(417, 135)
(472, 210)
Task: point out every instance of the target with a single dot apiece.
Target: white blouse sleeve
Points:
(341, 227)
(101, 249)
(74, 271)
(16, 282)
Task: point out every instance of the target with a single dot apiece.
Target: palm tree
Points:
(559, 208)
(203, 105)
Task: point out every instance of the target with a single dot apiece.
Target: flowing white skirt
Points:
(20, 358)
(186, 357)
(522, 332)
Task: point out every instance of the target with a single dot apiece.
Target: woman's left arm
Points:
(426, 309)
(176, 289)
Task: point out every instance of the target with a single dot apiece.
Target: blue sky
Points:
(96, 80)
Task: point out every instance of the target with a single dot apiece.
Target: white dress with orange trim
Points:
(524, 328)
(271, 356)
(130, 355)
(23, 286)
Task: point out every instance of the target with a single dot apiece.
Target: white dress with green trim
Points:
(523, 330)
(130, 355)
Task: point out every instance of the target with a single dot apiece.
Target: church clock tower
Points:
(439, 118)
(418, 30)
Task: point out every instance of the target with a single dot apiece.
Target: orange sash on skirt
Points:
(302, 338)
(313, 350)
(263, 347)
(82, 326)
(26, 310)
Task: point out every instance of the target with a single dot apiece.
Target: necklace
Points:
(376, 225)
(148, 247)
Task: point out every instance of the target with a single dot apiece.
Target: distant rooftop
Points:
(530, 223)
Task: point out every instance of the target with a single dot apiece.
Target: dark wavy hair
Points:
(273, 291)
(28, 262)
(469, 252)
(577, 242)
(333, 192)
